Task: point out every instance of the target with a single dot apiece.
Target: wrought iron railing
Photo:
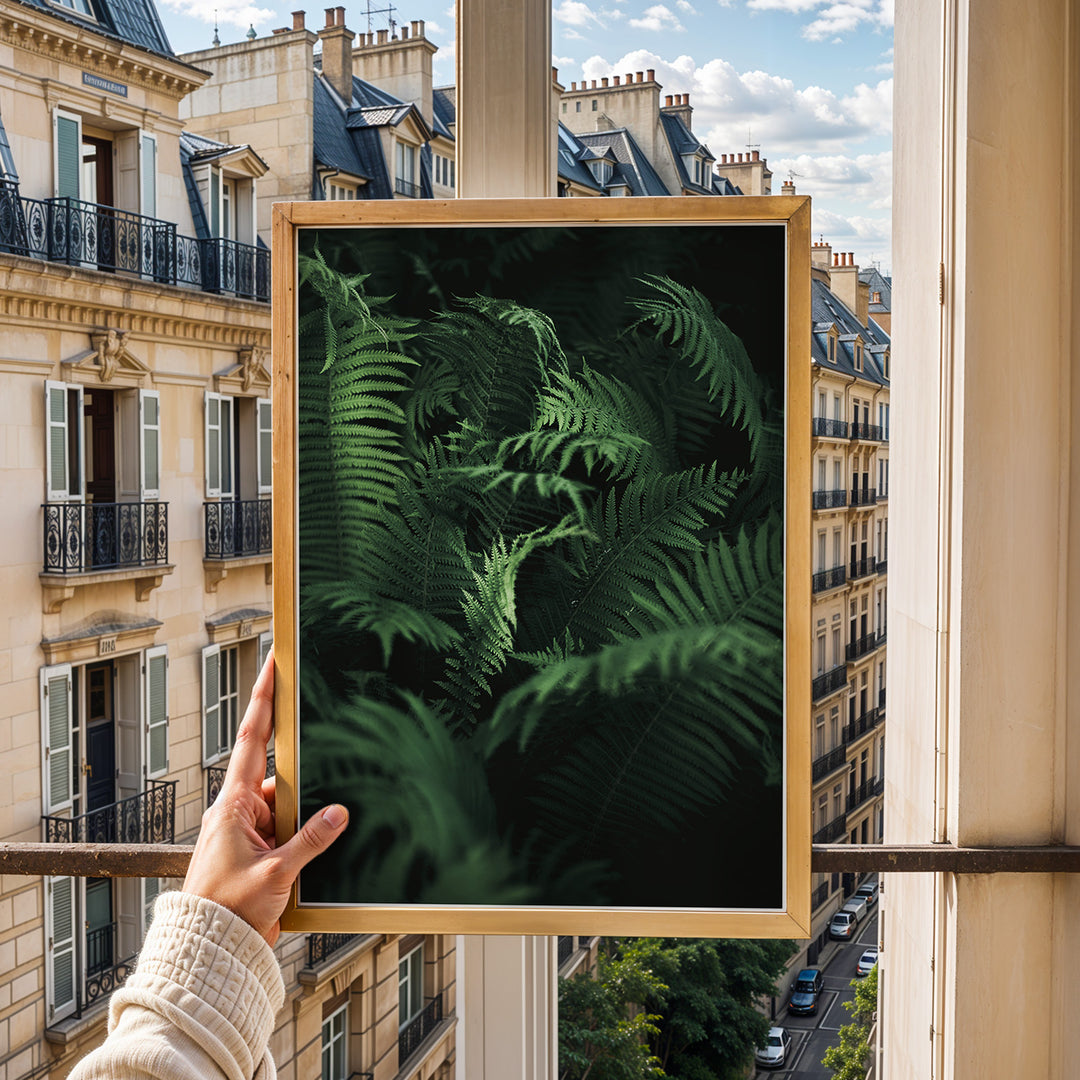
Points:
(866, 496)
(215, 777)
(828, 762)
(406, 187)
(833, 831)
(830, 681)
(882, 566)
(100, 237)
(828, 500)
(866, 791)
(863, 567)
(80, 537)
(104, 972)
(858, 727)
(861, 646)
(881, 699)
(820, 895)
(418, 1029)
(321, 947)
(146, 818)
(870, 432)
(835, 429)
(235, 528)
(828, 579)
(566, 948)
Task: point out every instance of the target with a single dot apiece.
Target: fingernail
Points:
(335, 816)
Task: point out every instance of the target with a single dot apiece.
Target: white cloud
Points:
(657, 18)
(612, 13)
(563, 61)
(725, 3)
(575, 13)
(834, 18)
(865, 178)
(793, 7)
(572, 35)
(433, 27)
(451, 12)
(685, 5)
(223, 12)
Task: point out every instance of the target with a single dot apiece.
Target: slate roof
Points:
(338, 148)
(202, 149)
(827, 310)
(633, 166)
(683, 141)
(878, 284)
(133, 21)
(443, 104)
(198, 211)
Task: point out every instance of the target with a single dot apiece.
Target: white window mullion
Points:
(211, 701)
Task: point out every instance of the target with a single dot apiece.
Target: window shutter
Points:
(56, 718)
(226, 416)
(68, 154)
(60, 971)
(57, 480)
(213, 445)
(151, 889)
(266, 448)
(148, 174)
(215, 201)
(150, 444)
(211, 688)
(157, 711)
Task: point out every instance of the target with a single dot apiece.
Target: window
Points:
(838, 407)
(821, 474)
(837, 647)
(594, 104)
(832, 349)
(823, 811)
(823, 403)
(577, 106)
(410, 985)
(237, 445)
(858, 356)
(820, 654)
(221, 698)
(821, 541)
(406, 162)
(335, 1030)
(601, 170)
(564, 106)
(838, 800)
(80, 7)
(819, 736)
(336, 190)
(230, 202)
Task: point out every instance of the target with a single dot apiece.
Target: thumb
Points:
(315, 836)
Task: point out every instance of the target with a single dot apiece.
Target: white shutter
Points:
(212, 444)
(211, 700)
(151, 888)
(266, 639)
(56, 714)
(150, 444)
(60, 440)
(227, 447)
(266, 446)
(60, 960)
(148, 174)
(156, 682)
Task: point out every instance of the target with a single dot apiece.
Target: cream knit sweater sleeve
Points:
(199, 1006)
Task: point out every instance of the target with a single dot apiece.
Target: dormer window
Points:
(80, 7)
(858, 356)
(875, 298)
(601, 170)
(336, 190)
(832, 349)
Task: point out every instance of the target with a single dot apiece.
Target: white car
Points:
(867, 961)
(776, 1049)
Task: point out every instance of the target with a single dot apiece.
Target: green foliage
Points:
(850, 1059)
(538, 634)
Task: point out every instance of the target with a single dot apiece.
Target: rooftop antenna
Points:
(388, 11)
(751, 145)
(217, 39)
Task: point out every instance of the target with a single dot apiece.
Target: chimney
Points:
(615, 80)
(679, 105)
(404, 33)
(821, 255)
(400, 65)
(298, 20)
(845, 285)
(337, 46)
(650, 75)
(667, 101)
(787, 187)
(639, 76)
(603, 82)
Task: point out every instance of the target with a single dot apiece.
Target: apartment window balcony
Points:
(418, 1029)
(829, 500)
(406, 188)
(97, 237)
(829, 429)
(860, 726)
(820, 895)
(104, 971)
(866, 432)
(882, 566)
(881, 701)
(861, 568)
(833, 831)
(829, 762)
(215, 777)
(867, 790)
(146, 818)
(829, 682)
(83, 537)
(566, 948)
(321, 947)
(861, 646)
(829, 579)
(237, 528)
(863, 496)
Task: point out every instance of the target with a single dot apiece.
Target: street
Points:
(812, 1035)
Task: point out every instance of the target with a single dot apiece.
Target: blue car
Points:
(805, 992)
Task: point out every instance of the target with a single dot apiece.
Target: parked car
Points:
(867, 961)
(776, 1049)
(842, 926)
(857, 907)
(869, 892)
(805, 992)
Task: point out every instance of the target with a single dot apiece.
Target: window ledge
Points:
(216, 570)
(67, 1032)
(58, 589)
(315, 978)
(412, 1067)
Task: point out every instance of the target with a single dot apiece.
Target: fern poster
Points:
(540, 535)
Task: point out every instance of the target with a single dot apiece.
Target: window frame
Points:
(338, 1038)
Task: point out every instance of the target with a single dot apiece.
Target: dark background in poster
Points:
(732, 855)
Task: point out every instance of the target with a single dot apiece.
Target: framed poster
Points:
(541, 563)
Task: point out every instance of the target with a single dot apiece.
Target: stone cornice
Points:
(37, 293)
(69, 42)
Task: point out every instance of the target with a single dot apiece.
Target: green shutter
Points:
(157, 711)
(56, 735)
(151, 889)
(150, 414)
(60, 947)
(211, 682)
(68, 156)
(56, 444)
(215, 202)
(266, 445)
(148, 175)
(212, 444)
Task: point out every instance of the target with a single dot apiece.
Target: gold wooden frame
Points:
(793, 918)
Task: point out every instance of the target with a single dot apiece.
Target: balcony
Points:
(84, 537)
(832, 832)
(863, 496)
(828, 579)
(829, 429)
(97, 237)
(406, 188)
(882, 566)
(418, 1029)
(829, 682)
(866, 432)
(829, 762)
(859, 727)
(861, 646)
(215, 777)
(321, 947)
(861, 568)
(867, 790)
(881, 701)
(237, 529)
(147, 818)
(566, 948)
(820, 895)
(829, 500)
(104, 972)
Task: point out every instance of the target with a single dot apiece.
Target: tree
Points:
(603, 1032)
(849, 1060)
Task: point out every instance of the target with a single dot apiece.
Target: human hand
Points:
(236, 862)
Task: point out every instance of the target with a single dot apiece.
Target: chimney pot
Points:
(667, 101)
(757, 155)
(554, 73)
(629, 77)
(639, 76)
(329, 17)
(573, 86)
(404, 33)
(835, 259)
(383, 36)
(740, 157)
(594, 84)
(650, 74)
(419, 32)
(298, 20)
(412, 24)
(339, 16)
(615, 80)
(603, 82)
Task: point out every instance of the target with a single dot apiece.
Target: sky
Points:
(808, 82)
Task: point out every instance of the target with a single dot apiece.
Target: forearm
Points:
(200, 1004)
